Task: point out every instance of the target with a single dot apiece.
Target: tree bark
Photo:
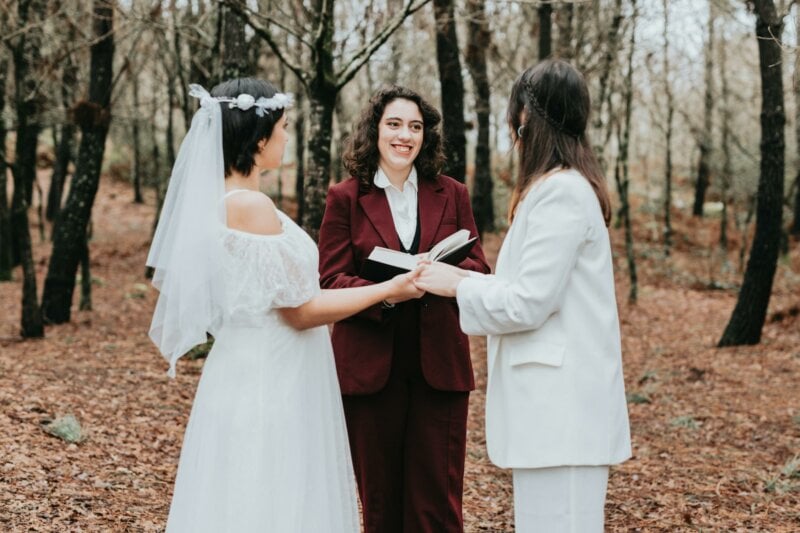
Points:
(137, 144)
(795, 231)
(93, 117)
(322, 103)
(86, 278)
(179, 68)
(477, 45)
(299, 150)
(235, 56)
(6, 263)
(564, 17)
(668, 138)
(604, 76)
(452, 90)
(795, 228)
(621, 174)
(706, 139)
(26, 55)
(545, 12)
(727, 160)
(66, 144)
(750, 312)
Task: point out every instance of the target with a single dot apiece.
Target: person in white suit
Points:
(555, 400)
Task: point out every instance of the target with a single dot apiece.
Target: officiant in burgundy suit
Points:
(404, 367)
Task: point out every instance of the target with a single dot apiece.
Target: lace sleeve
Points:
(264, 272)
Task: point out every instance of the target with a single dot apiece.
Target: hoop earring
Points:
(520, 130)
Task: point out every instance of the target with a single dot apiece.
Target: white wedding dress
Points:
(266, 446)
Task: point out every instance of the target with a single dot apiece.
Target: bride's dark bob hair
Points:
(360, 157)
(548, 113)
(242, 130)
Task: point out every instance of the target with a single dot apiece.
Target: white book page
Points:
(393, 257)
(448, 243)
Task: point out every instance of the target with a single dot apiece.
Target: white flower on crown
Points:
(276, 101)
(243, 102)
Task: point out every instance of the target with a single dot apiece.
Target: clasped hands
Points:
(433, 277)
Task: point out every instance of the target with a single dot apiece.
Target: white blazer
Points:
(555, 394)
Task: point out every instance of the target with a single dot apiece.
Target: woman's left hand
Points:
(440, 279)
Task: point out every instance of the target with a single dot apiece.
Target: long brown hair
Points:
(552, 130)
(360, 157)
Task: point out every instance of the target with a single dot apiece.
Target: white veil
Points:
(187, 252)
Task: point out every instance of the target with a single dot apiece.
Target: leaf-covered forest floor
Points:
(716, 432)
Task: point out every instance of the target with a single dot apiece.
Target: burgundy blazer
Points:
(355, 222)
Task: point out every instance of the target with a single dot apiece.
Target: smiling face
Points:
(400, 135)
(270, 154)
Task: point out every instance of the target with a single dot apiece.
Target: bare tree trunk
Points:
(322, 94)
(727, 161)
(795, 229)
(668, 138)
(86, 277)
(452, 90)
(178, 64)
(200, 59)
(341, 131)
(235, 56)
(26, 54)
(322, 102)
(606, 65)
(299, 149)
(93, 116)
(580, 34)
(137, 145)
(706, 139)
(159, 181)
(478, 43)
(750, 312)
(6, 263)
(66, 145)
(545, 13)
(564, 17)
(621, 168)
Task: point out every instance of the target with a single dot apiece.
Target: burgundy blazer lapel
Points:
(431, 201)
(376, 207)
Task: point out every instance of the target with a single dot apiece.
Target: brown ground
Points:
(716, 441)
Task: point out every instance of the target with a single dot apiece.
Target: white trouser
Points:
(564, 499)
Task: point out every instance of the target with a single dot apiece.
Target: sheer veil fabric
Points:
(187, 251)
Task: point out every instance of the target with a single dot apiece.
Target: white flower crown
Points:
(244, 101)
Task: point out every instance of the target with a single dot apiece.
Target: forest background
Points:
(696, 114)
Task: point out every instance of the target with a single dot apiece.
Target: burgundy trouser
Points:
(408, 443)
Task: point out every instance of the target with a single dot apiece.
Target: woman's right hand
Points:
(402, 287)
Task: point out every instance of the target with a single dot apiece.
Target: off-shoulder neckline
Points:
(281, 215)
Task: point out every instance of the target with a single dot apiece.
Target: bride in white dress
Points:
(266, 446)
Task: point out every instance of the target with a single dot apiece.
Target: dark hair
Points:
(361, 156)
(242, 130)
(556, 102)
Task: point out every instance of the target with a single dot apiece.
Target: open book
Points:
(383, 263)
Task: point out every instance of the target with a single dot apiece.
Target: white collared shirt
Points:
(403, 204)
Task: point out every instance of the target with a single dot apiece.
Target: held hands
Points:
(439, 278)
(402, 287)
(436, 278)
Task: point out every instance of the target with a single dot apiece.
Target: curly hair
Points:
(360, 157)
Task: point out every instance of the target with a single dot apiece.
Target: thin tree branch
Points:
(358, 60)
